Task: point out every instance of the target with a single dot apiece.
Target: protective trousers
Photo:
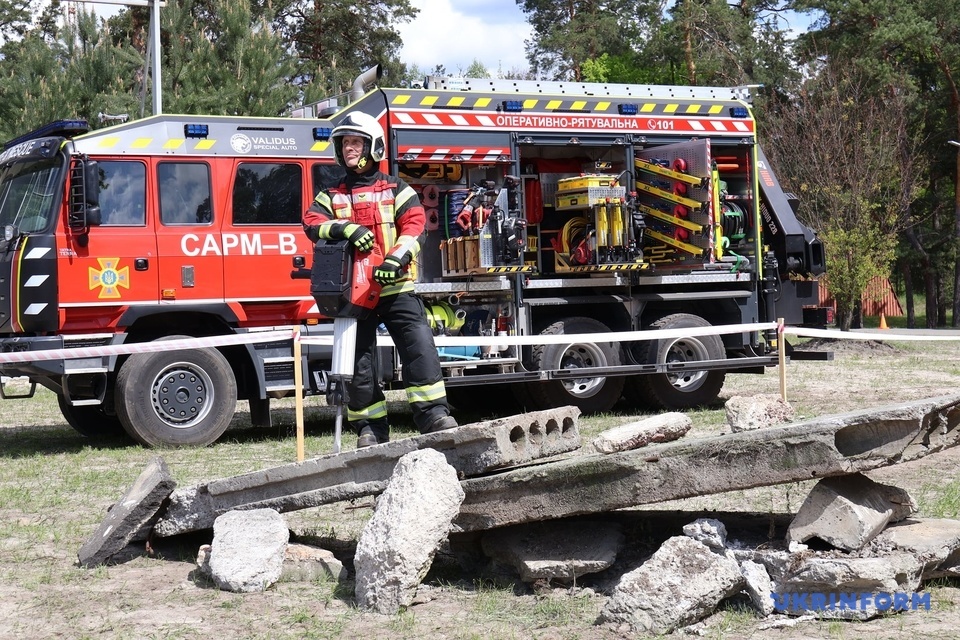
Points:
(404, 316)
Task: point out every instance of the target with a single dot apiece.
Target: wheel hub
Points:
(182, 395)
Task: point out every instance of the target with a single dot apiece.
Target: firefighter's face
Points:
(353, 151)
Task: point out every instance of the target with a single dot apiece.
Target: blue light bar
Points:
(196, 130)
(512, 106)
(739, 112)
(322, 133)
(627, 109)
(62, 128)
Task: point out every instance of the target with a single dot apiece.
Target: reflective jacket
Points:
(386, 205)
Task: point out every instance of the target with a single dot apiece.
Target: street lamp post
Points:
(153, 53)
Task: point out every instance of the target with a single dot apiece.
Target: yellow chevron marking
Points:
(715, 109)
(481, 103)
(554, 104)
(578, 105)
(109, 143)
(671, 108)
(205, 145)
(429, 101)
(530, 104)
(455, 101)
(173, 143)
(401, 99)
(602, 106)
(141, 143)
(693, 108)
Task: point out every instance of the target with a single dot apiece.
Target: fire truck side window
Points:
(184, 193)
(123, 192)
(268, 193)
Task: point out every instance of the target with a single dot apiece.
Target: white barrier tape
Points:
(144, 347)
(571, 338)
(834, 334)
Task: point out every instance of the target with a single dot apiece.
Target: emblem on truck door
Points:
(109, 278)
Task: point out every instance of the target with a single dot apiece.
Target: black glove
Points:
(359, 236)
(388, 272)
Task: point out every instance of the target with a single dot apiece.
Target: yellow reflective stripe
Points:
(323, 199)
(401, 286)
(373, 412)
(406, 245)
(404, 196)
(428, 393)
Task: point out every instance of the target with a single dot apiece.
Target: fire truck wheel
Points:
(684, 389)
(91, 421)
(591, 395)
(176, 398)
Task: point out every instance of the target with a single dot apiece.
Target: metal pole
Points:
(298, 384)
(155, 41)
(782, 359)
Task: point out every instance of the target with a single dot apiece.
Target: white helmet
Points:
(365, 126)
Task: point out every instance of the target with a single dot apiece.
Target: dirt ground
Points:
(43, 594)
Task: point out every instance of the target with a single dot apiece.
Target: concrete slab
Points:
(823, 447)
(848, 511)
(133, 513)
(471, 449)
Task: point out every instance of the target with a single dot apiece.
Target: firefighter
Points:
(372, 210)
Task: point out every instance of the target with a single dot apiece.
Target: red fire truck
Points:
(553, 208)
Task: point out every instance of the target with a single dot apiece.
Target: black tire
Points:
(91, 421)
(677, 391)
(176, 398)
(590, 395)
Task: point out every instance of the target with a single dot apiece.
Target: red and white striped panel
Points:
(573, 122)
(455, 154)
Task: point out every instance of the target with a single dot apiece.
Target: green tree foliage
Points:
(222, 58)
(567, 35)
(75, 73)
(913, 47)
(336, 40)
(857, 168)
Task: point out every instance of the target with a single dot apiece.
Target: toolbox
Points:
(584, 182)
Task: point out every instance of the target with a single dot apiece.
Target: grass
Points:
(55, 487)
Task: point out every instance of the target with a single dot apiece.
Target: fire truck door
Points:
(190, 248)
(117, 266)
(262, 234)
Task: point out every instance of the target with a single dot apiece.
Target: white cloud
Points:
(454, 33)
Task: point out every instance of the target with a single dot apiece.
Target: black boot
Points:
(440, 424)
(373, 434)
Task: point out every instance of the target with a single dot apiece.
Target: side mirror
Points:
(84, 195)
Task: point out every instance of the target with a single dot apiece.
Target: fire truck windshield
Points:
(30, 192)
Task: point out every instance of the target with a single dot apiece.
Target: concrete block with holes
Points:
(472, 450)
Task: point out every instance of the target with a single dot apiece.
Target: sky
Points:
(454, 33)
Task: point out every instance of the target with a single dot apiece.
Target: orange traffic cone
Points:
(883, 322)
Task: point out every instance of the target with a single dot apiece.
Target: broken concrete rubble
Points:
(665, 427)
(412, 518)
(248, 550)
(470, 449)
(681, 583)
(829, 446)
(543, 551)
(934, 542)
(745, 413)
(849, 511)
(133, 514)
(301, 563)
